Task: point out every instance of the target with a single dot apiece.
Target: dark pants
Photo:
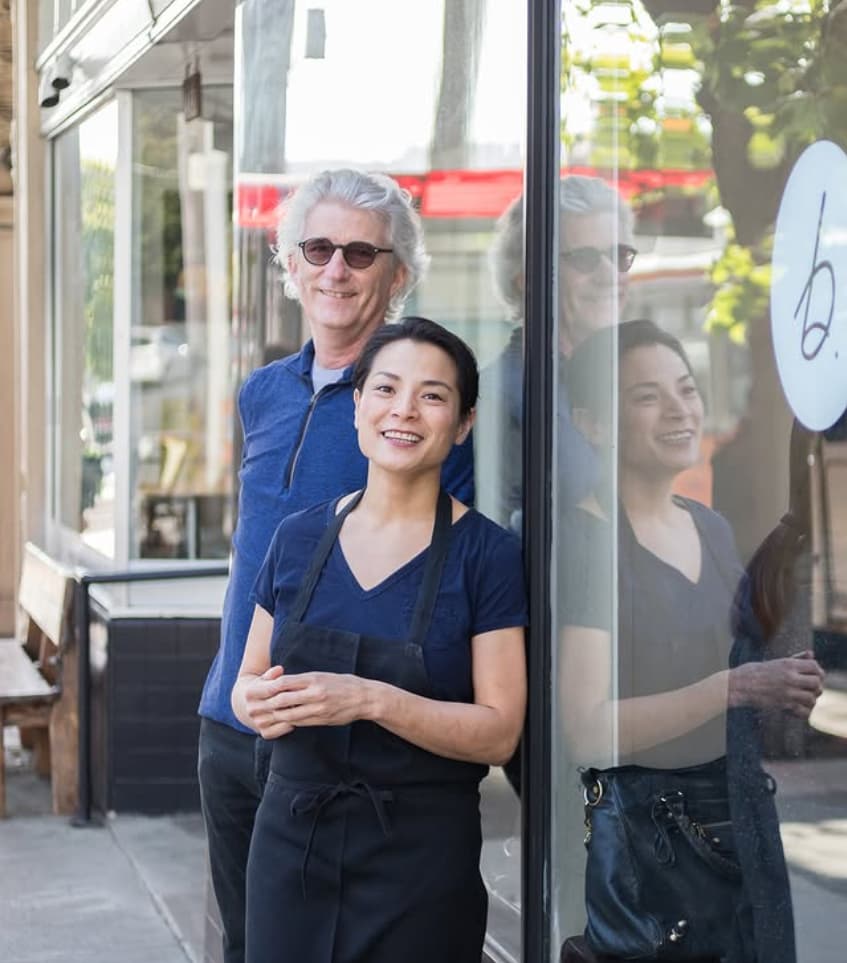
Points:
(229, 796)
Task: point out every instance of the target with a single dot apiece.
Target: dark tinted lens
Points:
(318, 250)
(626, 255)
(358, 254)
(586, 259)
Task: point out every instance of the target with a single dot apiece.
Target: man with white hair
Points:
(595, 255)
(351, 247)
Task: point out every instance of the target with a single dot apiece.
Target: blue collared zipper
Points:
(303, 430)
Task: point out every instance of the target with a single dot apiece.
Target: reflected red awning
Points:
(460, 194)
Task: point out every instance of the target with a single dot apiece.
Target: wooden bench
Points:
(38, 678)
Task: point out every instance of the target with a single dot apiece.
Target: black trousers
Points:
(230, 796)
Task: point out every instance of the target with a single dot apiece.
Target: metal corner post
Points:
(540, 231)
(83, 641)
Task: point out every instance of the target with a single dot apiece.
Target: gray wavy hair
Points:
(366, 191)
(578, 194)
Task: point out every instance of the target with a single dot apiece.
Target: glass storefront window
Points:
(454, 139)
(179, 358)
(698, 531)
(435, 95)
(683, 129)
(85, 166)
(144, 378)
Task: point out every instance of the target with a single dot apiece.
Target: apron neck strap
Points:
(316, 565)
(435, 559)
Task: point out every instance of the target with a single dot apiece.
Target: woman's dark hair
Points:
(770, 580)
(645, 334)
(424, 331)
(590, 367)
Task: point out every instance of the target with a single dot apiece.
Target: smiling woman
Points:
(386, 662)
(661, 411)
(652, 693)
(407, 412)
(420, 399)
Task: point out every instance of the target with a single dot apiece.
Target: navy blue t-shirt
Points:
(672, 632)
(481, 590)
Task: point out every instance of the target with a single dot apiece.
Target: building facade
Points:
(154, 144)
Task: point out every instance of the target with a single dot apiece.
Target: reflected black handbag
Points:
(662, 878)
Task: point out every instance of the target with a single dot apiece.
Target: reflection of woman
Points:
(386, 661)
(676, 577)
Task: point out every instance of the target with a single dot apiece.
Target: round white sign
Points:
(809, 286)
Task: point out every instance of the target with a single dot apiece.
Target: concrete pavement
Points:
(133, 890)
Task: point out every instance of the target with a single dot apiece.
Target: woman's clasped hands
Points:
(278, 703)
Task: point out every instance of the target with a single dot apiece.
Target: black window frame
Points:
(541, 235)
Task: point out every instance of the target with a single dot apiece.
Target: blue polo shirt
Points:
(300, 448)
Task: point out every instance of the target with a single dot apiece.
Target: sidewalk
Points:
(812, 803)
(130, 891)
(134, 889)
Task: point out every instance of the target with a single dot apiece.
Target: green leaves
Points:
(742, 280)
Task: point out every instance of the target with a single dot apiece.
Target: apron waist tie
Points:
(316, 800)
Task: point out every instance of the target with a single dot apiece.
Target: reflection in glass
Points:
(179, 339)
(659, 696)
(595, 257)
(697, 117)
(85, 182)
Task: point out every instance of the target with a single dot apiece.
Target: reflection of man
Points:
(352, 248)
(595, 255)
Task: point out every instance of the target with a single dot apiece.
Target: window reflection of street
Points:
(84, 474)
(689, 90)
(812, 797)
(179, 355)
(819, 848)
(501, 857)
(812, 802)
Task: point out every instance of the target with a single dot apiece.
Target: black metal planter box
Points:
(146, 679)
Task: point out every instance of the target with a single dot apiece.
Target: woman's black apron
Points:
(366, 848)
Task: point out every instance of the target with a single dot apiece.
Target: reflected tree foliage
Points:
(624, 62)
(267, 27)
(98, 239)
(741, 278)
(462, 37)
(772, 85)
(740, 88)
(773, 82)
(770, 81)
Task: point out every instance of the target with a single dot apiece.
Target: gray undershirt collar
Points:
(321, 377)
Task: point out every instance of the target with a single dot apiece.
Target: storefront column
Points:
(8, 560)
(28, 346)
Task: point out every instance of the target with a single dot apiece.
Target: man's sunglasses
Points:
(357, 254)
(586, 259)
